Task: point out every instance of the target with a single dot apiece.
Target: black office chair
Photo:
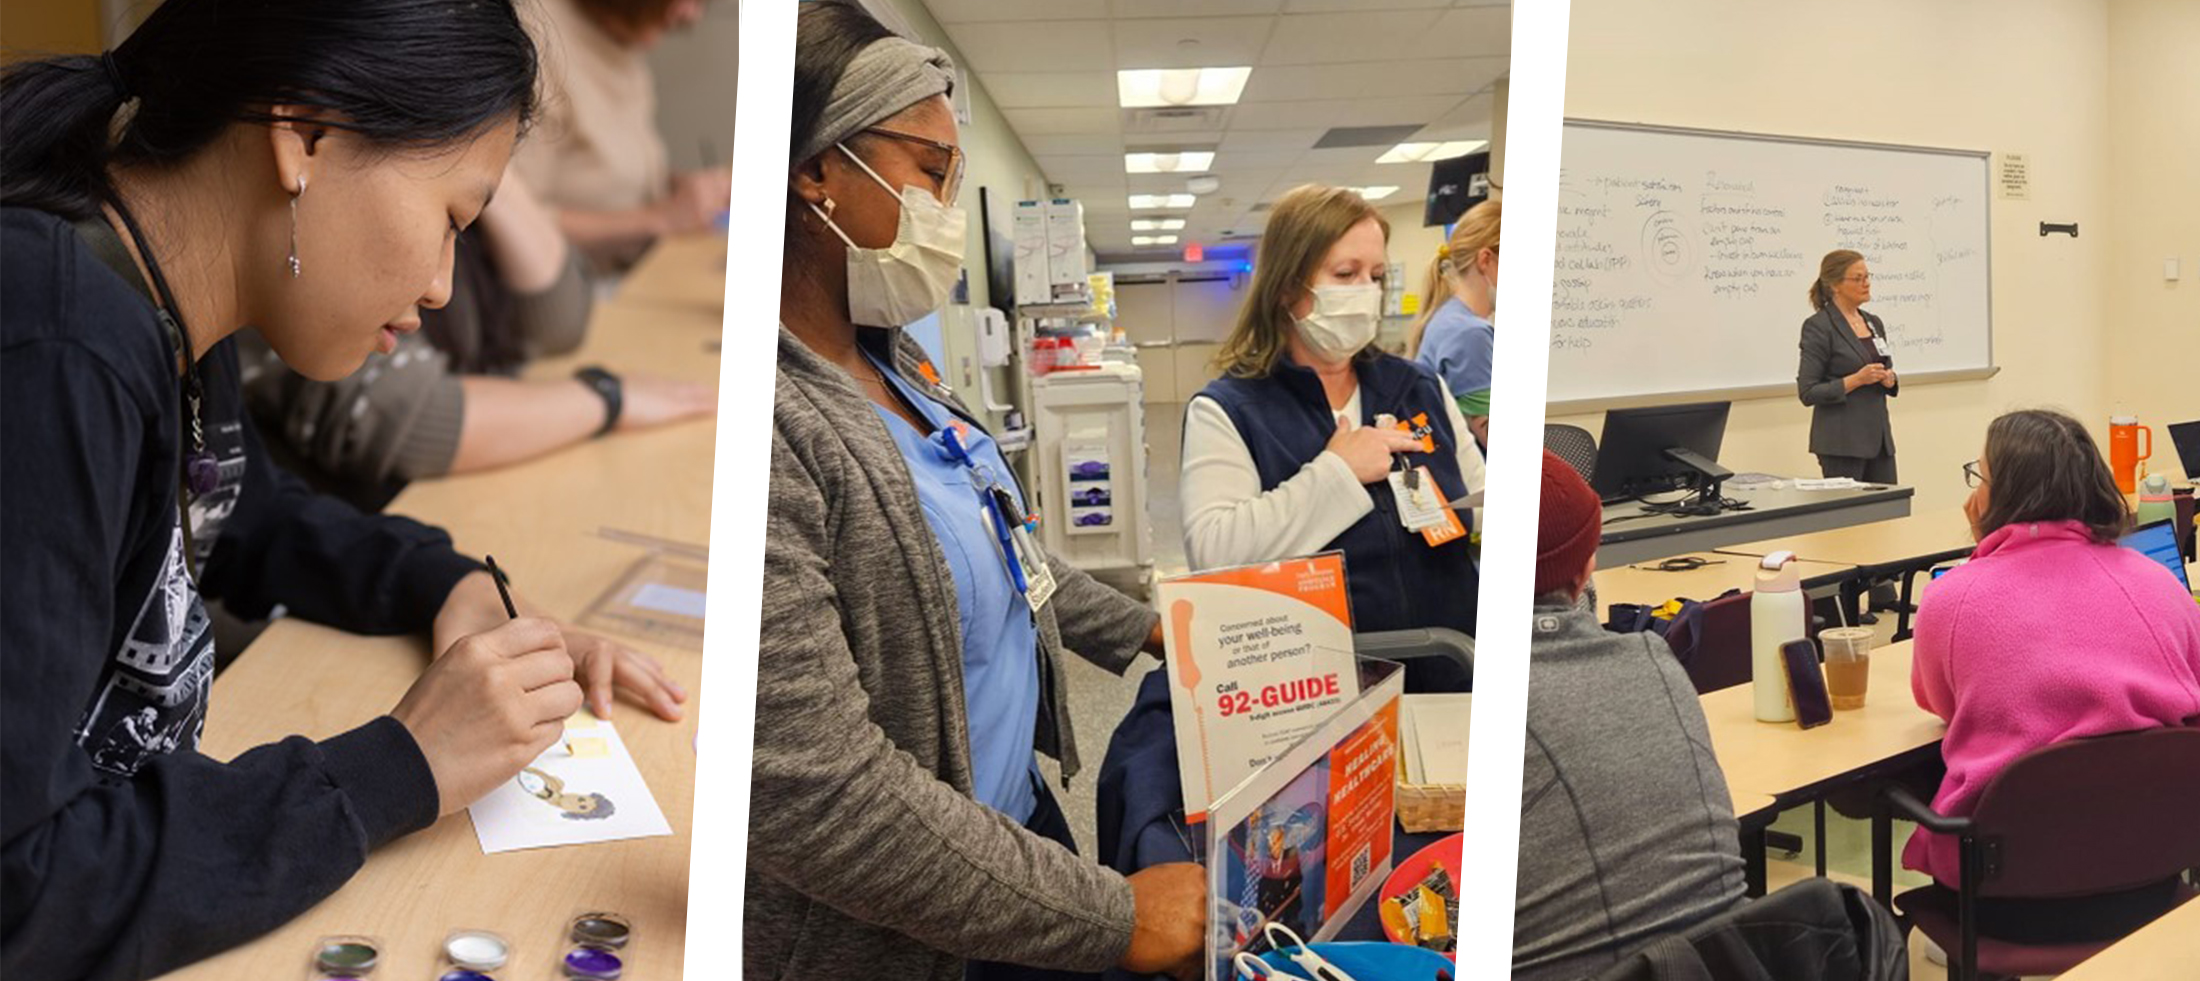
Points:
(1574, 445)
(1426, 642)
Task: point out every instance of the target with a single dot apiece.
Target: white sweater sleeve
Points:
(1229, 520)
(1471, 468)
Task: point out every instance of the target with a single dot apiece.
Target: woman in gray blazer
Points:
(909, 662)
(1847, 374)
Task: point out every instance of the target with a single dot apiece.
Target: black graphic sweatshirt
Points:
(126, 852)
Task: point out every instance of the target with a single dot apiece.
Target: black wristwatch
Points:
(606, 387)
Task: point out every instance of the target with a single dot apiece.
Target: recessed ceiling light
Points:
(1421, 152)
(1168, 162)
(1153, 240)
(1148, 202)
(1377, 192)
(1146, 88)
(1157, 224)
(1204, 184)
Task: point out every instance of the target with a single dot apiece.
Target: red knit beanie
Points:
(1571, 522)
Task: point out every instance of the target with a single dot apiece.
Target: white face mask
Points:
(901, 283)
(1342, 322)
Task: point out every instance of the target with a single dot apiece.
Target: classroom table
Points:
(1632, 535)
(687, 272)
(2164, 950)
(1770, 767)
(544, 521)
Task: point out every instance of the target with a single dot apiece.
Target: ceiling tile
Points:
(1468, 32)
(1242, 140)
(1312, 39)
(1033, 46)
(1359, 6)
(963, 11)
(1195, 8)
(1214, 42)
(1042, 122)
(1050, 90)
(1292, 83)
(1064, 144)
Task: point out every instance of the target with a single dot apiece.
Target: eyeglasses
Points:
(1864, 278)
(952, 170)
(1971, 475)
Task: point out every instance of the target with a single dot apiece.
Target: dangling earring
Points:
(294, 225)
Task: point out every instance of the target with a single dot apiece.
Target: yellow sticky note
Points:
(582, 719)
(587, 747)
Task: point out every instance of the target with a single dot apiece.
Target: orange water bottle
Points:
(2123, 450)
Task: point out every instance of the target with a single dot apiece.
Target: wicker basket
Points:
(1427, 807)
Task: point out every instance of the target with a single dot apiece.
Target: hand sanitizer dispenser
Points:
(1776, 616)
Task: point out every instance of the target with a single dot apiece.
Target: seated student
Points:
(2051, 632)
(1454, 337)
(596, 154)
(1283, 456)
(444, 401)
(1626, 829)
(134, 485)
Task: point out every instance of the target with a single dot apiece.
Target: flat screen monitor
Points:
(1631, 458)
(1454, 185)
(2158, 541)
(2186, 435)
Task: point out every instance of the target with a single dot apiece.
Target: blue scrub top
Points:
(1457, 346)
(1000, 652)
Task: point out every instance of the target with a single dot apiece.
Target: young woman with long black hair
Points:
(301, 168)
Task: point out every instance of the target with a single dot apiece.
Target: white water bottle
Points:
(1776, 616)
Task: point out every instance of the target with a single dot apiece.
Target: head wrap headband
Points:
(883, 79)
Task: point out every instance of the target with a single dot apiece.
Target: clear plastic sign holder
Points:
(1306, 840)
(659, 597)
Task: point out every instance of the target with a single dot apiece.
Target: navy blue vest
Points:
(1397, 581)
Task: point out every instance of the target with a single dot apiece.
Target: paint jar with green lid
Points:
(346, 957)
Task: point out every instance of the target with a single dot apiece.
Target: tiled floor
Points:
(1097, 699)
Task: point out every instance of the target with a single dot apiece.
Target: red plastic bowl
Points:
(1410, 872)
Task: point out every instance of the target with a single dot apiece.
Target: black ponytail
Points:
(402, 74)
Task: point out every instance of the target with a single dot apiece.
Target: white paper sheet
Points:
(583, 790)
(1434, 728)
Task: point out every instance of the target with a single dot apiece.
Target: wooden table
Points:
(1790, 764)
(2164, 950)
(687, 272)
(1639, 584)
(542, 520)
(1770, 767)
(1631, 536)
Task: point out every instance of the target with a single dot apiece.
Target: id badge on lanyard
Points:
(1027, 565)
(1422, 506)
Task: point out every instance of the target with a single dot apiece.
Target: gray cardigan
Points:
(868, 856)
(1627, 832)
(1843, 423)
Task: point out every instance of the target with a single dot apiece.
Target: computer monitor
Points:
(2158, 541)
(1633, 457)
(2186, 436)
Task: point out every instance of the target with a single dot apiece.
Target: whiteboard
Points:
(1684, 257)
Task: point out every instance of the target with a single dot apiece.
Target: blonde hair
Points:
(1476, 230)
(1831, 269)
(1302, 226)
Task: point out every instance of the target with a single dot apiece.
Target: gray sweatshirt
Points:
(868, 856)
(1627, 832)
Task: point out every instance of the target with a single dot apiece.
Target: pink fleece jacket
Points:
(2045, 636)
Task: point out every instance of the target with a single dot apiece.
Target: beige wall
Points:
(2029, 76)
(697, 74)
(2154, 201)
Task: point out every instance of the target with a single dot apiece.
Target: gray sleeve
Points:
(831, 793)
(1098, 622)
(396, 417)
(555, 320)
(1812, 383)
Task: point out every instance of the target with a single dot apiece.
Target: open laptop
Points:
(2186, 436)
(2157, 540)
